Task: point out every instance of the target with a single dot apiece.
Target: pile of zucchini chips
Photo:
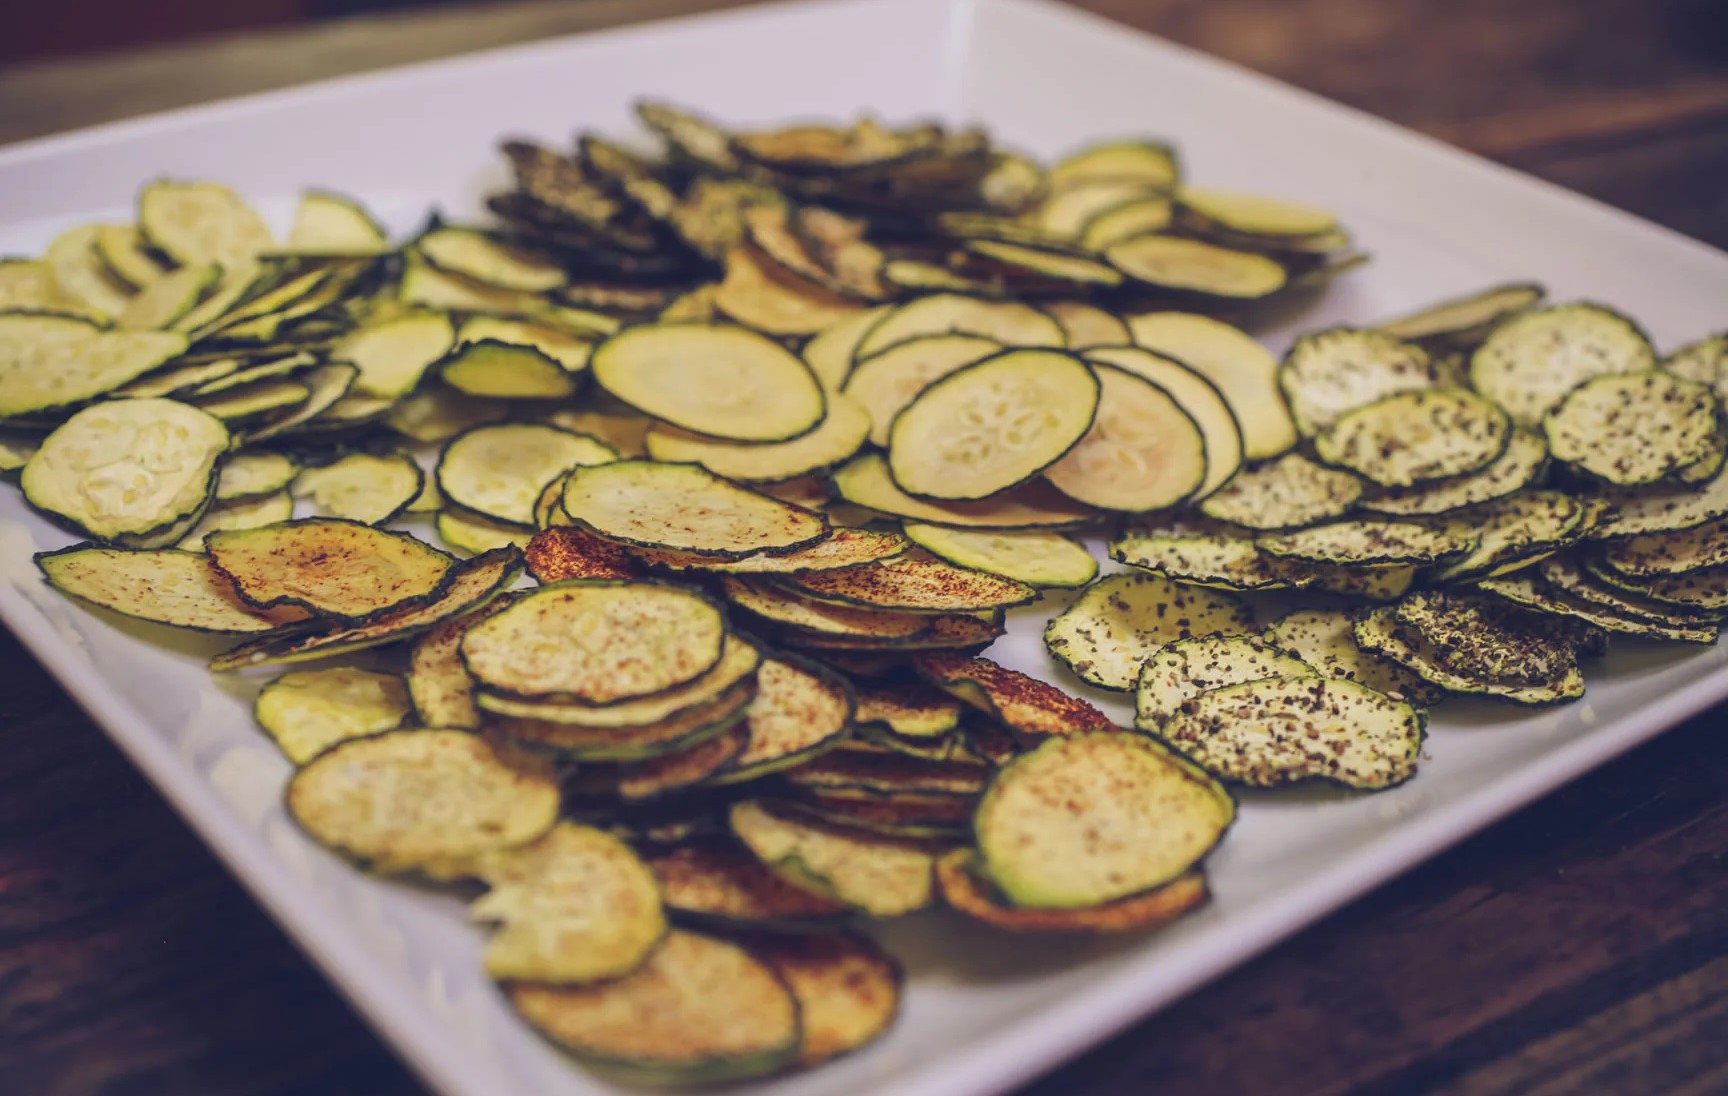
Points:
(783, 423)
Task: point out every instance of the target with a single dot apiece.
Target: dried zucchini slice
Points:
(253, 401)
(1464, 321)
(1518, 530)
(1143, 450)
(965, 891)
(362, 486)
(840, 434)
(336, 568)
(15, 453)
(1242, 370)
(1534, 358)
(1663, 509)
(492, 369)
(1379, 633)
(1371, 542)
(198, 222)
(1271, 733)
(29, 285)
(1112, 627)
(909, 709)
(1564, 575)
(1198, 398)
(308, 711)
(685, 508)
(843, 547)
(564, 552)
(831, 352)
(1331, 372)
(1705, 361)
(1086, 326)
(1034, 558)
(79, 273)
(947, 632)
(1068, 209)
(915, 582)
(127, 468)
(624, 432)
(1181, 671)
(682, 731)
(49, 362)
(439, 686)
(1125, 220)
(476, 255)
(700, 1010)
(800, 710)
(1287, 493)
(877, 875)
(726, 886)
(1174, 263)
(169, 299)
(1324, 639)
(433, 801)
(1007, 322)
(1093, 818)
(1517, 467)
(1201, 558)
(472, 534)
(887, 774)
(763, 296)
(1535, 592)
(1024, 704)
(328, 385)
(1062, 266)
(848, 989)
(1704, 590)
(1255, 214)
(885, 383)
(245, 514)
(1148, 162)
(1633, 428)
(1657, 554)
(254, 475)
(739, 662)
(164, 587)
(499, 470)
(1477, 634)
(864, 481)
(784, 607)
(332, 224)
(393, 354)
(570, 349)
(1417, 437)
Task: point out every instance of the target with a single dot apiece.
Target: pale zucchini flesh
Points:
(878, 875)
(201, 222)
(865, 481)
(308, 711)
(683, 507)
(499, 470)
(1143, 450)
(1465, 320)
(1242, 370)
(364, 487)
(1034, 558)
(840, 434)
(50, 361)
(1009, 323)
(885, 383)
(1183, 265)
(1199, 398)
(1329, 373)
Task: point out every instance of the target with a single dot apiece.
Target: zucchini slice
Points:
(965, 891)
(49, 362)
(1244, 372)
(571, 349)
(336, 568)
(15, 453)
(1704, 361)
(1323, 638)
(79, 274)
(875, 874)
(424, 286)
(251, 475)
(915, 582)
(865, 481)
(617, 426)
(831, 352)
(840, 434)
(127, 468)
(1704, 590)
(1110, 629)
(1535, 592)
(1564, 575)
(479, 257)
(847, 988)
(1091, 818)
(432, 801)
(596, 643)
(1047, 262)
(175, 380)
(681, 731)
(1034, 558)
(724, 885)
(1518, 530)
(885, 383)
(1068, 209)
(947, 632)
(699, 1010)
(169, 299)
(1254, 214)
(1656, 554)
(1032, 708)
(1417, 437)
(1331, 372)
(1190, 266)
(165, 587)
(499, 470)
(723, 382)
(1378, 632)
(1517, 467)
(201, 222)
(1202, 558)
(1633, 428)
(245, 514)
(1484, 636)
(566, 552)
(1286, 493)
(1086, 326)
(472, 534)
(1125, 220)
(1009, 323)
(332, 224)
(439, 686)
(328, 386)
(1375, 582)
(1270, 733)
(800, 710)
(908, 709)
(1534, 358)
(992, 425)
(29, 285)
(308, 711)
(252, 401)
(1663, 508)
(364, 487)
(1198, 398)
(492, 369)
(1371, 542)
(887, 774)
(1149, 163)
(1181, 671)
(1143, 450)
(683, 507)
(764, 296)
(792, 610)
(904, 815)
(394, 354)
(1465, 321)
(842, 548)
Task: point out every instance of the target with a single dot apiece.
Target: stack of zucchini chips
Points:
(783, 424)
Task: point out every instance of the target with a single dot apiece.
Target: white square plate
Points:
(983, 1012)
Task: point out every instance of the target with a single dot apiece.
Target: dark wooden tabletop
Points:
(1580, 947)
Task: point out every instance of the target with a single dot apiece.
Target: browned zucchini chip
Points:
(680, 731)
(566, 552)
(965, 891)
(842, 547)
(848, 989)
(438, 684)
(165, 587)
(878, 875)
(915, 582)
(336, 568)
(684, 508)
(1026, 705)
(723, 884)
(800, 710)
(785, 607)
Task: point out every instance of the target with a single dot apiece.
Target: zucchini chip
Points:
(1380, 633)
(842, 548)
(792, 610)
(1705, 361)
(48, 361)
(499, 470)
(1704, 590)
(854, 770)
(15, 453)
(1518, 466)
(681, 731)
(29, 285)
(338, 569)
(1034, 558)
(1254, 214)
(700, 1010)
(831, 352)
(1269, 733)
(492, 369)
(667, 774)
(1093, 818)
(721, 884)
(165, 587)
(1086, 326)
(79, 273)
(839, 435)
(168, 299)
(432, 801)
(596, 643)
(1323, 638)
(865, 481)
(1244, 373)
(254, 401)
(847, 988)
(764, 296)
(872, 873)
(947, 632)
(1417, 437)
(1663, 509)
(1518, 530)
(1199, 558)
(908, 709)
(902, 815)
(1148, 163)
(1032, 708)
(362, 487)
(471, 534)
(1371, 542)
(1118, 621)
(1198, 398)
(992, 425)
(1481, 635)
(246, 476)
(121, 249)
(1331, 372)
(1125, 220)
(566, 552)
(885, 383)
(308, 711)
(1183, 265)
(479, 257)
(1563, 574)
(128, 468)
(393, 354)
(198, 222)
(1287, 493)
(1655, 554)
(1181, 671)
(1534, 358)
(328, 385)
(1048, 262)
(1536, 592)
(739, 661)
(1068, 209)
(1633, 428)
(800, 710)
(685, 508)
(573, 907)
(913, 582)
(332, 224)
(1143, 450)
(1009, 323)
(1464, 321)
(439, 686)
(966, 892)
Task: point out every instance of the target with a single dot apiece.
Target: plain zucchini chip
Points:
(49, 361)
(1534, 358)
(1198, 398)
(571, 349)
(1046, 262)
(362, 487)
(1660, 508)
(885, 383)
(1032, 708)
(332, 224)
(1092, 818)
(1034, 558)
(564, 552)
(1465, 321)
(165, 587)
(473, 254)
(439, 686)
(1143, 451)
(254, 475)
(1287, 493)
(642, 742)
(499, 470)
(1254, 214)
(438, 414)
(1656, 554)
(762, 295)
(29, 285)
(700, 1010)
(1244, 373)
(800, 710)
(723, 382)
(966, 892)
(1147, 162)
(15, 453)
(79, 273)
(596, 643)
(394, 354)
(433, 801)
(1009, 323)
(1331, 372)
(1067, 210)
(683, 507)
(1125, 220)
(492, 369)
(1181, 671)
(472, 534)
(721, 884)
(1323, 638)
(1378, 632)
(847, 988)
(914, 582)
(1112, 627)
(739, 662)
(1517, 467)
(1535, 592)
(1633, 428)
(328, 385)
(308, 711)
(1200, 558)
(121, 249)
(252, 402)
(127, 468)
(336, 568)
(1086, 326)
(1417, 437)
(875, 874)
(1174, 263)
(785, 607)
(842, 548)
(865, 481)
(840, 434)
(1270, 733)
(245, 514)
(168, 299)
(1518, 530)
(195, 223)
(575, 906)
(831, 352)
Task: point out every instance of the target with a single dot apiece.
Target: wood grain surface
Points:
(1577, 949)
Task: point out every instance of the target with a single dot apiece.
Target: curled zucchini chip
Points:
(1656, 554)
(439, 686)
(1323, 638)
(199, 222)
(1183, 265)
(669, 773)
(793, 610)
(254, 475)
(1518, 530)
(1181, 671)
(29, 285)
(725, 885)
(1705, 590)
(1124, 221)
(1379, 632)
(1048, 262)
(839, 435)
(1024, 704)
(492, 369)
(760, 294)
(888, 774)
(1143, 451)
(568, 345)
(1535, 592)
(947, 632)
(432, 801)
(1086, 326)
(700, 1010)
(1371, 542)
(499, 470)
(1148, 163)
(164, 587)
(843, 547)
(575, 906)
(1254, 214)
(966, 892)
(885, 383)
(1201, 558)
(739, 660)
(1518, 466)
(831, 352)
(1417, 437)
(992, 425)
(51, 361)
(875, 874)
(1092, 818)
(1464, 321)
(121, 249)
(479, 257)
(596, 643)
(1533, 359)
(1480, 635)
(640, 742)
(1331, 372)
(1633, 428)
(909, 709)
(1109, 630)
(472, 534)
(684, 508)
(915, 582)
(308, 711)
(333, 224)
(169, 299)
(904, 814)
(336, 568)
(254, 401)
(1199, 399)
(1034, 558)
(392, 354)
(801, 709)
(1009, 323)
(1287, 493)
(865, 481)
(1244, 373)
(128, 468)
(1663, 509)
(847, 988)
(1068, 209)
(328, 385)
(1564, 575)
(362, 486)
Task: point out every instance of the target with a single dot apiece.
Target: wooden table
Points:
(1580, 947)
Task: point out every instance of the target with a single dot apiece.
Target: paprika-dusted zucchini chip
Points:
(394, 352)
(1010, 323)
(1656, 554)
(739, 660)
(365, 487)
(164, 587)
(800, 710)
(685, 508)
(1324, 640)
(478, 256)
(439, 686)
(1143, 451)
(1183, 265)
(1119, 620)
(51, 361)
(914, 582)
(565, 552)
(308, 711)
(842, 547)
(865, 481)
(847, 988)
(499, 469)
(201, 222)
(1379, 632)
(877, 875)
(1034, 558)
(966, 892)
(1633, 428)
(326, 223)
(1178, 672)
(1242, 370)
(432, 801)
(1371, 542)
(1534, 358)
(839, 435)
(793, 610)
(908, 709)
(336, 568)
(1464, 321)
(885, 383)
(1416, 437)
(1198, 398)
(1092, 818)
(1033, 708)
(1518, 466)
(721, 884)
(1331, 372)
(669, 773)
(1287, 493)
